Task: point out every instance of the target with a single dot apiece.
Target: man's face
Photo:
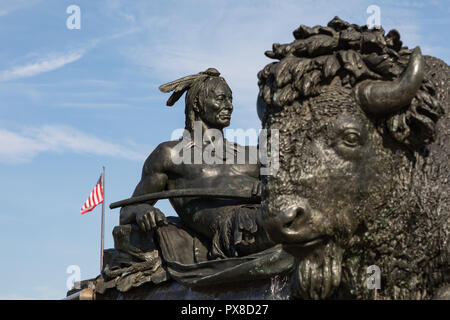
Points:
(217, 107)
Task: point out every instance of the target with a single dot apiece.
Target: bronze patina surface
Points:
(363, 181)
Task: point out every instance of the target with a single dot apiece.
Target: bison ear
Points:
(384, 97)
(261, 107)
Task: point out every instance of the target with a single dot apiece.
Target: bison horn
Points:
(383, 97)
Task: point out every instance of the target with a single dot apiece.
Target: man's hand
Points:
(148, 217)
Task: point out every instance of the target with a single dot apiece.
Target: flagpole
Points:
(103, 221)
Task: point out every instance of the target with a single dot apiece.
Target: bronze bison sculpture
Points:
(364, 162)
(359, 205)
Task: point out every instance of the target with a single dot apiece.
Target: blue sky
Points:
(74, 100)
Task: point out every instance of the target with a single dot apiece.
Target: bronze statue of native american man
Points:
(229, 225)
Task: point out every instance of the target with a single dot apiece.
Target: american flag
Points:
(95, 198)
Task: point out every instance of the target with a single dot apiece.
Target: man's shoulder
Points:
(167, 145)
(159, 159)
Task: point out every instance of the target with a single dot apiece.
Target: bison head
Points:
(355, 113)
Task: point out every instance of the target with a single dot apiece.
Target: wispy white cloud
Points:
(43, 65)
(22, 147)
(53, 61)
(16, 148)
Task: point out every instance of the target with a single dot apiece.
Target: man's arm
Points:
(154, 179)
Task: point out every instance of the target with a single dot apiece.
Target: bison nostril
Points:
(298, 213)
(288, 225)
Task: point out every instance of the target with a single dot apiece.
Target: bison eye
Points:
(351, 138)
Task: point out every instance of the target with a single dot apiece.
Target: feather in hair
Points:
(181, 85)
